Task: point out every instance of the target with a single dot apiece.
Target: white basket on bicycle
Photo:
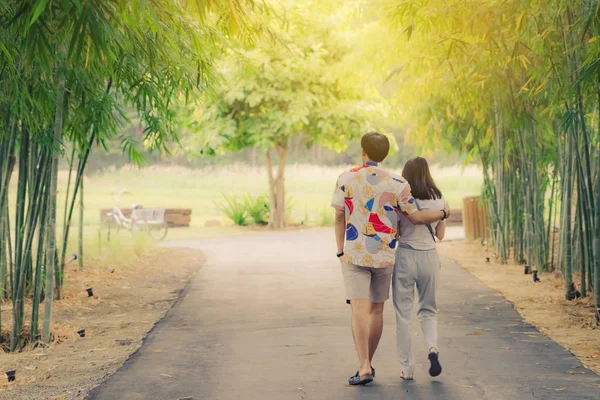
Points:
(148, 216)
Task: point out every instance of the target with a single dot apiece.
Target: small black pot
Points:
(81, 333)
(527, 270)
(11, 375)
(535, 277)
(90, 292)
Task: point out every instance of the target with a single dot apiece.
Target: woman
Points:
(418, 264)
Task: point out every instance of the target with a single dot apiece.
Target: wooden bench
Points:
(456, 217)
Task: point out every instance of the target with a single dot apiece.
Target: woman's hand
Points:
(446, 209)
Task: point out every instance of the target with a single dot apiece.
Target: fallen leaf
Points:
(158, 351)
(167, 375)
(558, 390)
(576, 373)
(475, 334)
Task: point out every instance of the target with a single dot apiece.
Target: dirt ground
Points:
(569, 323)
(127, 302)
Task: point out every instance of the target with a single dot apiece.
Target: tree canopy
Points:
(297, 84)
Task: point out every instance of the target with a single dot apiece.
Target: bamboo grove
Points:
(515, 85)
(68, 71)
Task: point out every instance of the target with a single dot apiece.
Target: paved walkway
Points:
(265, 318)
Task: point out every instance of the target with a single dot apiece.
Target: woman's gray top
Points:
(418, 237)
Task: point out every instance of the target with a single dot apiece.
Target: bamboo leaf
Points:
(519, 21)
(37, 10)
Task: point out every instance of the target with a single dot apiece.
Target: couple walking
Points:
(385, 231)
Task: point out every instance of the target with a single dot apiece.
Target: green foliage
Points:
(257, 208)
(297, 85)
(513, 85)
(234, 208)
(69, 71)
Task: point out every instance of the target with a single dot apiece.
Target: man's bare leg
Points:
(375, 328)
(360, 329)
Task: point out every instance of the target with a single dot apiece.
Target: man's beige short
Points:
(367, 283)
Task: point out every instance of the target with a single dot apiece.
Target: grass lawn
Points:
(309, 187)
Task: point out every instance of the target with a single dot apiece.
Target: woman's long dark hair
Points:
(416, 172)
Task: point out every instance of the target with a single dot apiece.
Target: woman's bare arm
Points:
(440, 230)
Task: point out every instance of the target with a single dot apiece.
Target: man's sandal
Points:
(372, 372)
(358, 380)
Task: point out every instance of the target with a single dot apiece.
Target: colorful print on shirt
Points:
(372, 198)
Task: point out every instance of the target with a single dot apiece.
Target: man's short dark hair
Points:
(376, 145)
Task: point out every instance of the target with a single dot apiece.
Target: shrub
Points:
(234, 208)
(257, 208)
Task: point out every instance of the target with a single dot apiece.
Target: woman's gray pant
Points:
(418, 268)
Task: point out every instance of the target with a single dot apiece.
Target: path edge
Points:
(180, 296)
(525, 320)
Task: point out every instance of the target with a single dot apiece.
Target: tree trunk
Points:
(277, 217)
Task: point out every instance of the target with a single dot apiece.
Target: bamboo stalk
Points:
(68, 190)
(596, 242)
(78, 183)
(570, 295)
(583, 257)
(81, 215)
(550, 247)
(554, 218)
(51, 233)
(40, 258)
(18, 274)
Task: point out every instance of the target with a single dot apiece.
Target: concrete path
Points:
(265, 318)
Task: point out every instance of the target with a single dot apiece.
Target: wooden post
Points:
(474, 218)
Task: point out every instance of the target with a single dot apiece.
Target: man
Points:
(367, 200)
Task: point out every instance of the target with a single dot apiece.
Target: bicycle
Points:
(150, 220)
